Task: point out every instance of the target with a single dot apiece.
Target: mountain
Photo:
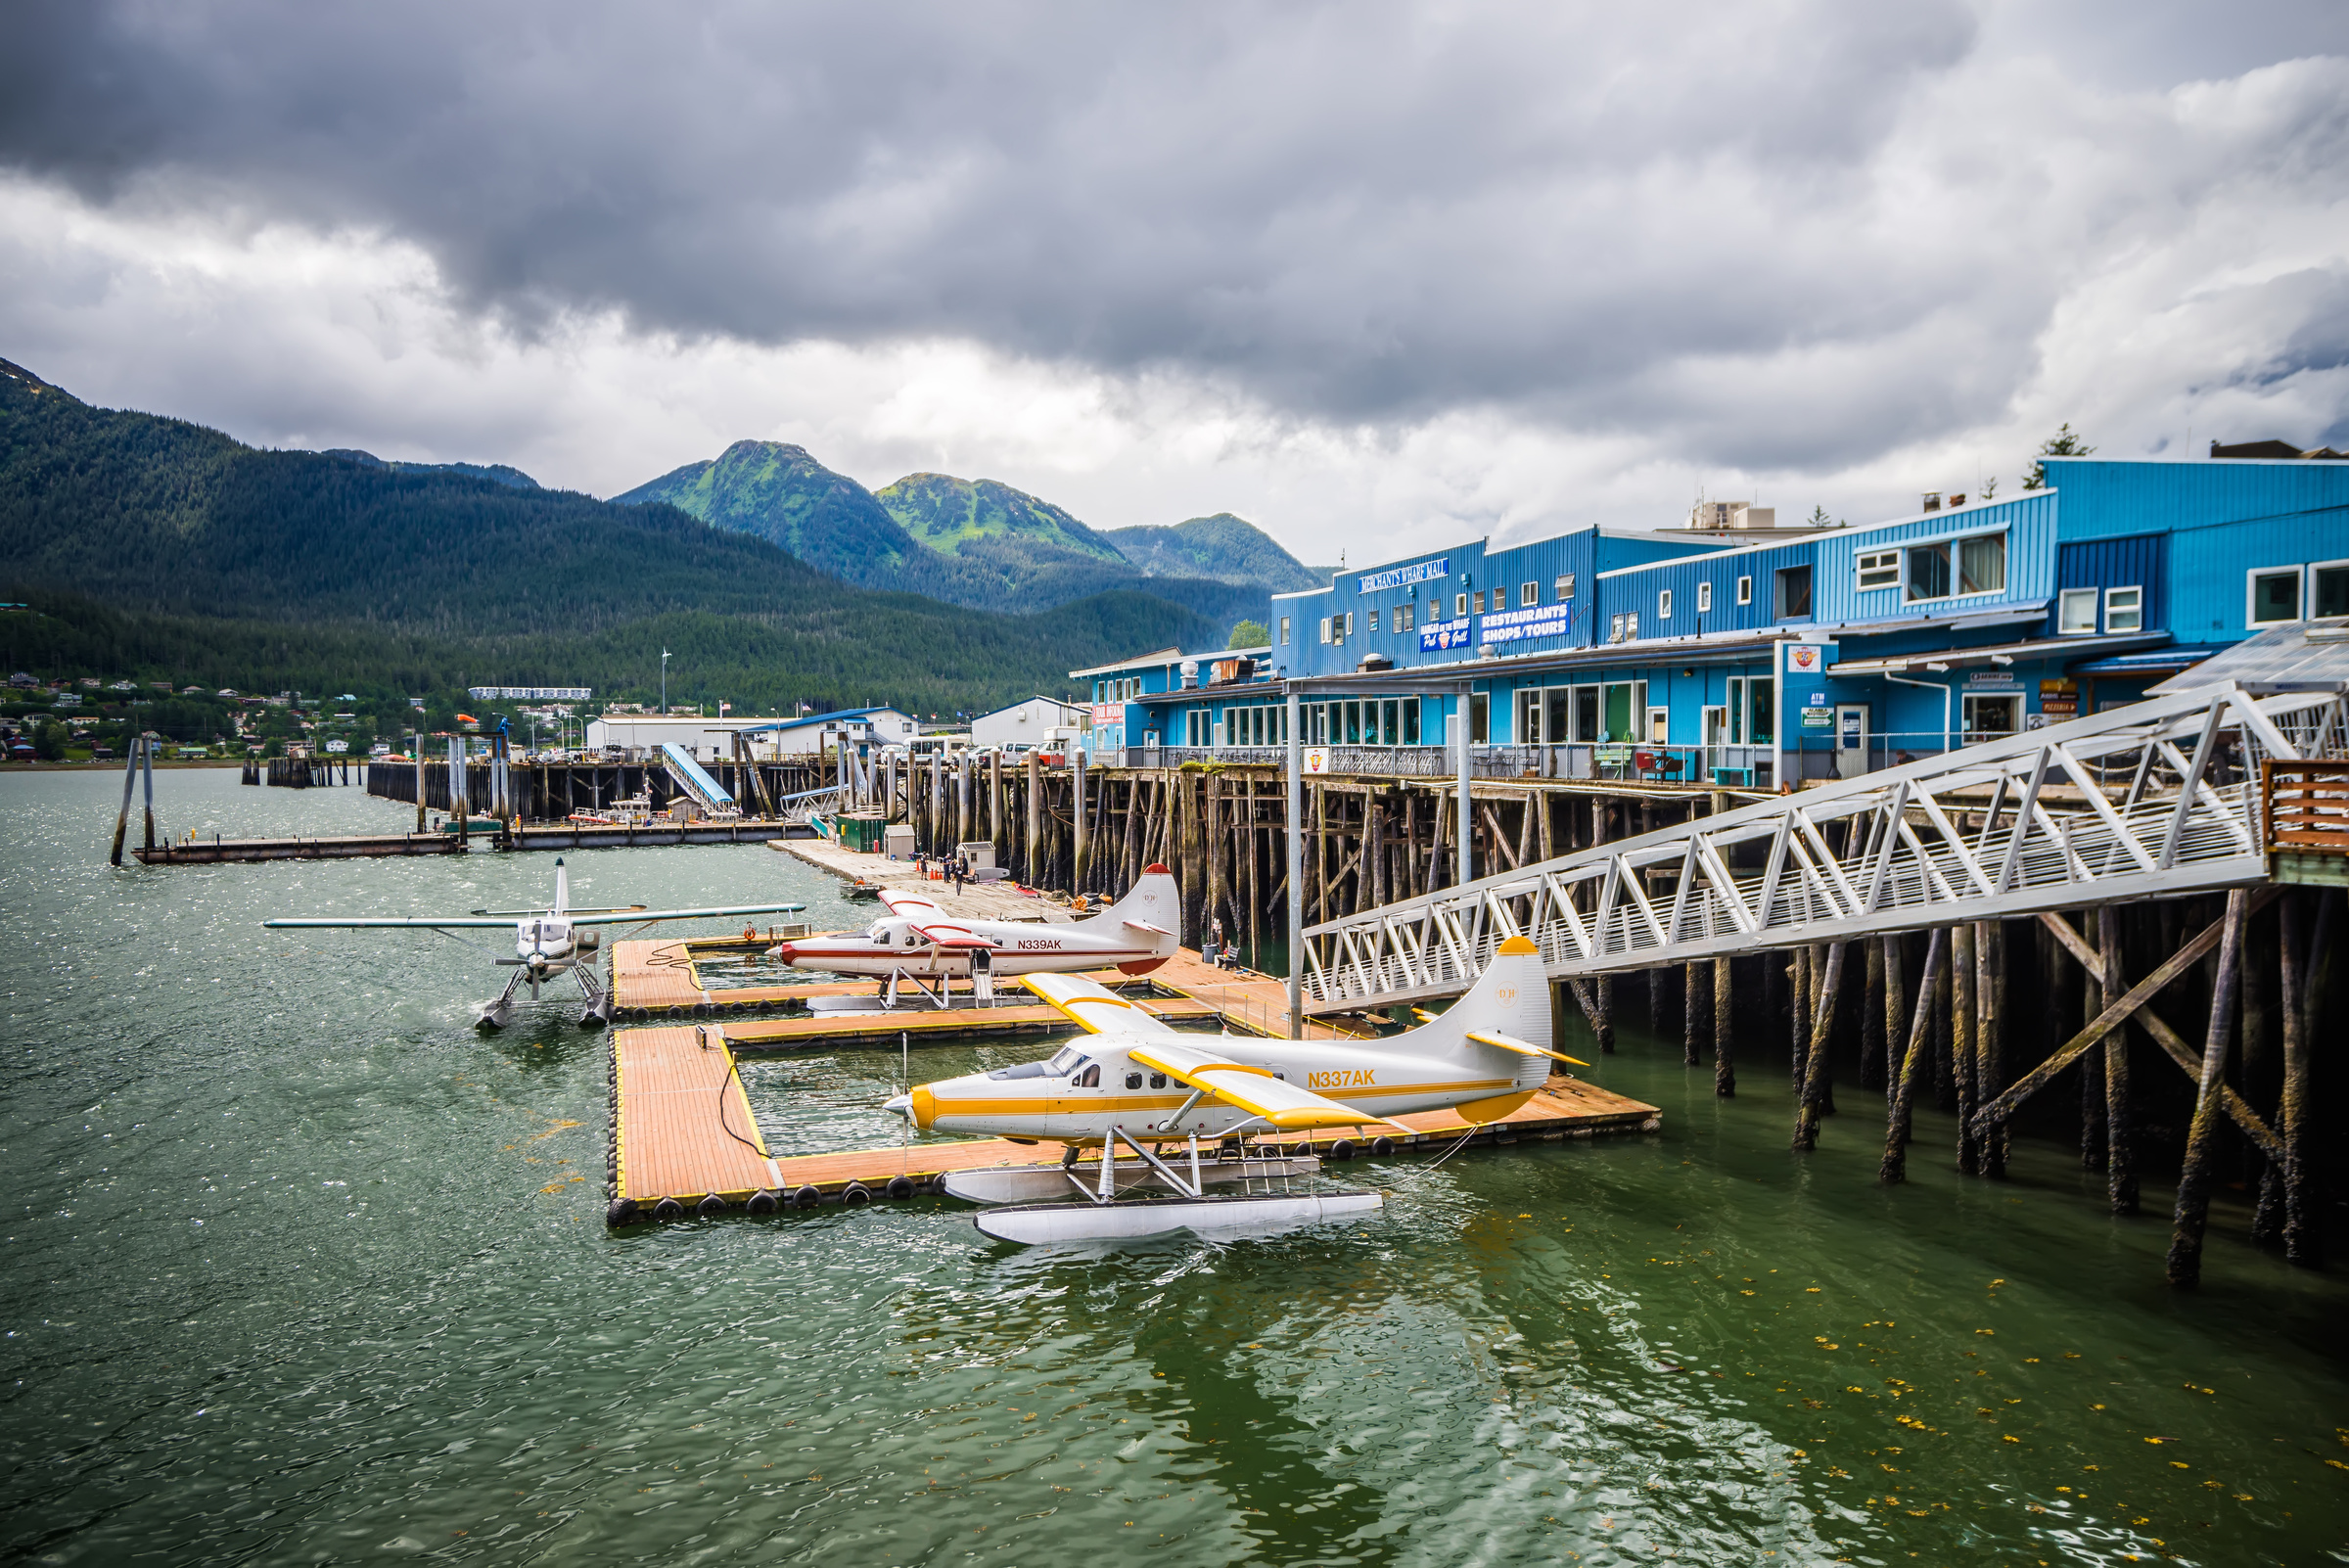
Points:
(977, 543)
(152, 547)
(944, 513)
(1228, 548)
(502, 472)
(780, 494)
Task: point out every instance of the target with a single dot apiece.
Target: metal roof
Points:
(2306, 655)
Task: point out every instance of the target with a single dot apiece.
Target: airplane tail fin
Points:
(562, 887)
(1510, 1001)
(1154, 901)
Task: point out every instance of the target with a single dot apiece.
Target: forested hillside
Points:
(153, 548)
(1231, 549)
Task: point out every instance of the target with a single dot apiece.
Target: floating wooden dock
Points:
(683, 1139)
(364, 846)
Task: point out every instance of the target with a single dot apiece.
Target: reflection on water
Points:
(302, 1268)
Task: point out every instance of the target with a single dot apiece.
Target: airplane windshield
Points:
(1065, 1061)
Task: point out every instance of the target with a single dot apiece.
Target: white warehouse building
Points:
(1028, 723)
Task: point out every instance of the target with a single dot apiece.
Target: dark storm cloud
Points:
(1605, 217)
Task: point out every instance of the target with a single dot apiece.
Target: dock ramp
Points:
(695, 780)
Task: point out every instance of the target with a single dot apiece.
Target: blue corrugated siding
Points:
(2132, 560)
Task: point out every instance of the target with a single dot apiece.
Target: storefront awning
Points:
(2063, 648)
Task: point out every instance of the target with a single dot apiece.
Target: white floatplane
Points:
(1139, 1083)
(917, 941)
(547, 941)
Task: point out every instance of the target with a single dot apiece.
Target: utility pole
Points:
(665, 683)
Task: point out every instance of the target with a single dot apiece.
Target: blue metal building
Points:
(1604, 651)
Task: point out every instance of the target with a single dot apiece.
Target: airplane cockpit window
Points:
(1065, 1061)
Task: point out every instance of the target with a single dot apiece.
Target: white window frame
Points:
(1704, 597)
(2299, 576)
(2308, 584)
(1663, 604)
(1565, 586)
(1884, 565)
(1325, 630)
(1528, 594)
(1459, 607)
(1745, 590)
(1284, 631)
(1659, 727)
(1954, 543)
(1631, 626)
(2066, 603)
(2135, 608)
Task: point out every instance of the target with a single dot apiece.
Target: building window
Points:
(1880, 569)
(2328, 590)
(1402, 617)
(1704, 598)
(1528, 593)
(1346, 629)
(1459, 607)
(1565, 587)
(1323, 628)
(1991, 716)
(1476, 602)
(1745, 590)
(2076, 612)
(1664, 604)
(2275, 597)
(1793, 592)
(2124, 608)
(1284, 631)
(1979, 563)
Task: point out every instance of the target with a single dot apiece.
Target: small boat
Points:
(860, 891)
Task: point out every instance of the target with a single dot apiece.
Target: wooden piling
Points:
(1814, 1068)
(2120, 1126)
(2192, 1214)
(1990, 980)
(2303, 1227)
(1963, 976)
(130, 777)
(1606, 1014)
(1724, 1068)
(1895, 1012)
(1695, 1009)
(1908, 1073)
(1872, 1021)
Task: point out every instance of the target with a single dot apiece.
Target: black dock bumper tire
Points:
(622, 1212)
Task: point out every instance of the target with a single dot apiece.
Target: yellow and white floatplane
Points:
(1155, 1092)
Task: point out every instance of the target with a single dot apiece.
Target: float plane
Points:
(918, 940)
(1141, 1083)
(546, 941)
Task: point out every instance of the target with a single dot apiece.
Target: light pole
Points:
(664, 682)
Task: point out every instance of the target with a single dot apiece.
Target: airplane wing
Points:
(954, 938)
(1251, 1089)
(395, 923)
(635, 917)
(1511, 1042)
(913, 906)
(1092, 1008)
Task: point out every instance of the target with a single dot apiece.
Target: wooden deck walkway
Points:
(682, 1125)
(683, 1139)
(978, 900)
(217, 851)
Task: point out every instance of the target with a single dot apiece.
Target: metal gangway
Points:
(695, 780)
(2160, 798)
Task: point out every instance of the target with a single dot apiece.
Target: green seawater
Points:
(302, 1269)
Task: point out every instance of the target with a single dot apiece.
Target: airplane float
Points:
(547, 943)
(1141, 1083)
(918, 940)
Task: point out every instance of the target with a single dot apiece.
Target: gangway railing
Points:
(695, 780)
(2160, 798)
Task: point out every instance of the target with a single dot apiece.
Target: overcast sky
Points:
(1376, 277)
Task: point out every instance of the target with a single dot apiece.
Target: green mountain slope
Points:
(1228, 548)
(153, 547)
(780, 494)
(1008, 550)
(944, 513)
